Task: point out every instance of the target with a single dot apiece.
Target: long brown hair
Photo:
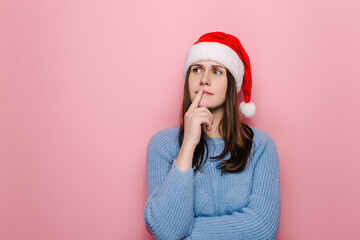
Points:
(238, 136)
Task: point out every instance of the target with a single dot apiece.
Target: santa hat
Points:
(227, 50)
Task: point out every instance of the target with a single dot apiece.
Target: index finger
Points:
(197, 99)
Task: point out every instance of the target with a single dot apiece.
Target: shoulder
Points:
(165, 135)
(165, 139)
(261, 135)
(262, 140)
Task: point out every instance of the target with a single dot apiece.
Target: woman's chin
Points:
(204, 104)
(207, 105)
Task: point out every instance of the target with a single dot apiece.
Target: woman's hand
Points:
(193, 120)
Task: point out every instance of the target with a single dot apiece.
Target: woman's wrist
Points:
(185, 157)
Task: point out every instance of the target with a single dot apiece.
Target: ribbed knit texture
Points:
(206, 205)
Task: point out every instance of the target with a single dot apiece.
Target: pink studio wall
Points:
(85, 84)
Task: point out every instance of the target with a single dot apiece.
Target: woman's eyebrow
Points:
(218, 66)
(200, 65)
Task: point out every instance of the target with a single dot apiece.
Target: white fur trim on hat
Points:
(217, 52)
(247, 109)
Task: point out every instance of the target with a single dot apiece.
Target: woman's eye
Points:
(218, 71)
(195, 69)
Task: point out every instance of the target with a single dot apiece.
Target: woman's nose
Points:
(205, 78)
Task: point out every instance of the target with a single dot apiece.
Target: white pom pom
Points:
(247, 109)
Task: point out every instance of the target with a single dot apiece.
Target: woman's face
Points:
(211, 76)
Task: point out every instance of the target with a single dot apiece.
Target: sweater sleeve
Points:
(260, 218)
(168, 211)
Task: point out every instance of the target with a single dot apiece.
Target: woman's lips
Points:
(205, 92)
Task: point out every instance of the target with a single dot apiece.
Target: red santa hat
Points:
(227, 50)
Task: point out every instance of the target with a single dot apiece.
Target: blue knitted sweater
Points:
(206, 205)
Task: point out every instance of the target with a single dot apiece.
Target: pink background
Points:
(85, 84)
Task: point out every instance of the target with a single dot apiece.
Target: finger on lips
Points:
(197, 99)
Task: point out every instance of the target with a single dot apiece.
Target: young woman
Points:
(213, 177)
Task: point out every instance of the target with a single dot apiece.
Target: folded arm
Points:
(260, 218)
